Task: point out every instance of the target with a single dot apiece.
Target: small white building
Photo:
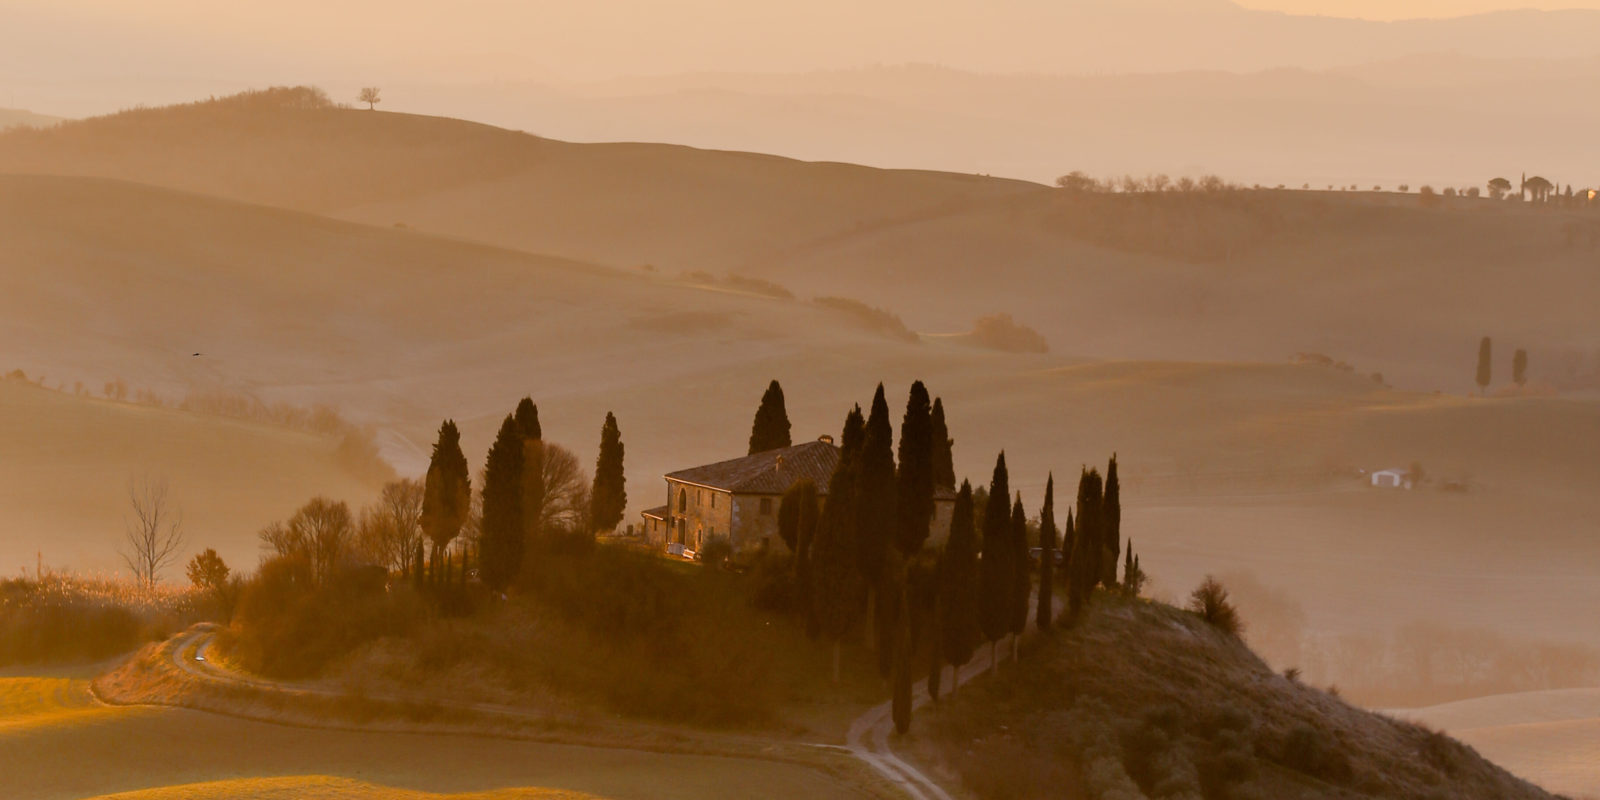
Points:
(1392, 479)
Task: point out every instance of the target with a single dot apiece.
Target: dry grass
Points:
(1143, 700)
(679, 644)
(64, 617)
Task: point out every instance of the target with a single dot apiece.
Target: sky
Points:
(77, 57)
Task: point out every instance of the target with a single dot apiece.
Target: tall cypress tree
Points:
(876, 531)
(837, 584)
(798, 512)
(1021, 582)
(958, 608)
(916, 479)
(610, 494)
(771, 428)
(921, 604)
(501, 542)
(527, 415)
(944, 467)
(1110, 527)
(1047, 555)
(1087, 544)
(876, 490)
(1130, 579)
(900, 706)
(1485, 364)
(997, 594)
(446, 491)
(1519, 367)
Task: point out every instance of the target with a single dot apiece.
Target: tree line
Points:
(860, 557)
(436, 531)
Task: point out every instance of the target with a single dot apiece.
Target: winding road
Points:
(869, 737)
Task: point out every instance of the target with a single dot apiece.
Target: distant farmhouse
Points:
(738, 499)
(1392, 479)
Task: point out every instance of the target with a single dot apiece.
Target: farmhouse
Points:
(1392, 479)
(738, 499)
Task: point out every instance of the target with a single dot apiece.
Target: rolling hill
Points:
(1368, 278)
(1228, 465)
(69, 460)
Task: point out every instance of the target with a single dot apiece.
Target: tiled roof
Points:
(771, 472)
(774, 471)
(659, 512)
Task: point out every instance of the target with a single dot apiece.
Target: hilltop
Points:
(1254, 275)
(1143, 700)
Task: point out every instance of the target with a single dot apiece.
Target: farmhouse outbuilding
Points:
(1392, 479)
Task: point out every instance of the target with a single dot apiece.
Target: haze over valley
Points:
(266, 302)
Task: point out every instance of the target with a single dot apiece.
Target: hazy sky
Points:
(76, 57)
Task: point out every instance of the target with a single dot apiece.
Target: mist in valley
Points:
(1300, 302)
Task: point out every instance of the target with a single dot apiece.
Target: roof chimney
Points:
(779, 464)
(825, 438)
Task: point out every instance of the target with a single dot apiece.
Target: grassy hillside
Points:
(68, 461)
(1143, 700)
(1370, 279)
(15, 117)
(1228, 466)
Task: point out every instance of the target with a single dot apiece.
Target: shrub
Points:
(62, 618)
(715, 552)
(286, 627)
(1309, 750)
(873, 319)
(1210, 601)
(1001, 332)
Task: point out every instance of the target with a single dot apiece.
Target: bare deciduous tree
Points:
(369, 95)
(155, 531)
(565, 505)
(318, 534)
(391, 528)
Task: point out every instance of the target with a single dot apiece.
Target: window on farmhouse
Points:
(766, 506)
(713, 499)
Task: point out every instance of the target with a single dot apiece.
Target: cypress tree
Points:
(836, 577)
(1069, 538)
(797, 524)
(1130, 577)
(900, 706)
(876, 531)
(1021, 580)
(501, 539)
(996, 593)
(1047, 555)
(1110, 527)
(944, 467)
(797, 504)
(958, 606)
(770, 430)
(418, 573)
(610, 494)
(916, 478)
(1087, 547)
(527, 415)
(447, 489)
(1485, 364)
(922, 602)
(876, 490)
(1519, 368)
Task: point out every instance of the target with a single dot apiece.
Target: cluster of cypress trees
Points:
(513, 494)
(861, 556)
